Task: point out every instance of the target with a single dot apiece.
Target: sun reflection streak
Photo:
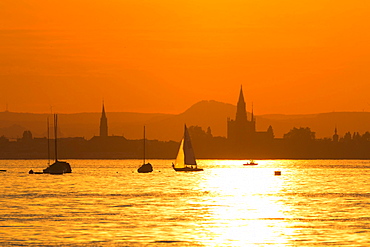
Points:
(246, 207)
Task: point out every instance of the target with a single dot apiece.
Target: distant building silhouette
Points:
(27, 135)
(103, 124)
(108, 146)
(243, 131)
(335, 136)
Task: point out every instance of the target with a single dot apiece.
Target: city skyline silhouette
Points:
(242, 139)
(204, 113)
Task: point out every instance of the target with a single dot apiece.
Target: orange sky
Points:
(164, 55)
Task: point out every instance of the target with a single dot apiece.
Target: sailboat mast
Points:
(48, 135)
(55, 135)
(144, 145)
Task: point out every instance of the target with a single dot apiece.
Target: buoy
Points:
(30, 172)
(277, 173)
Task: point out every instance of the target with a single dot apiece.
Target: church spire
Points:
(241, 95)
(252, 113)
(103, 111)
(103, 123)
(335, 136)
(241, 112)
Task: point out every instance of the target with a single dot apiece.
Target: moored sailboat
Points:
(58, 167)
(145, 168)
(185, 160)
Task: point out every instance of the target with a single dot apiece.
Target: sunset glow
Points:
(163, 56)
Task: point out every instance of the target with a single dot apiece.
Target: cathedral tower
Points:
(103, 124)
(335, 136)
(241, 130)
(241, 110)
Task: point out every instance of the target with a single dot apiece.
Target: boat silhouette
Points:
(58, 167)
(145, 168)
(185, 160)
(251, 163)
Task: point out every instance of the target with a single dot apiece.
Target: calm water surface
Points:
(107, 203)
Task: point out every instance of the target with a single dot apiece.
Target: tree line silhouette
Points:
(298, 143)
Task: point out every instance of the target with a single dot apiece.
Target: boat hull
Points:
(59, 167)
(146, 168)
(188, 169)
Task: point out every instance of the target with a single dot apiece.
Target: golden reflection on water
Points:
(106, 202)
(245, 206)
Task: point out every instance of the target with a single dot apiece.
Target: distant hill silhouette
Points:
(204, 113)
(14, 131)
(170, 126)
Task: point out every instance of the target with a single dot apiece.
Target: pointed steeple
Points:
(103, 123)
(241, 95)
(252, 113)
(103, 111)
(241, 112)
(335, 136)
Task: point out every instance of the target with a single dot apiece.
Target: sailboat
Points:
(58, 167)
(145, 168)
(185, 160)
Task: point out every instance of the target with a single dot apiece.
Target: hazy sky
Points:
(164, 55)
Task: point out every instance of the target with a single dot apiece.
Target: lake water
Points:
(107, 203)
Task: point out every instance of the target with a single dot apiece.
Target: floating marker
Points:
(277, 173)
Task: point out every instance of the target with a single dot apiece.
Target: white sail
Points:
(180, 159)
(185, 156)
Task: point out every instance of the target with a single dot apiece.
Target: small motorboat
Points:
(250, 163)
